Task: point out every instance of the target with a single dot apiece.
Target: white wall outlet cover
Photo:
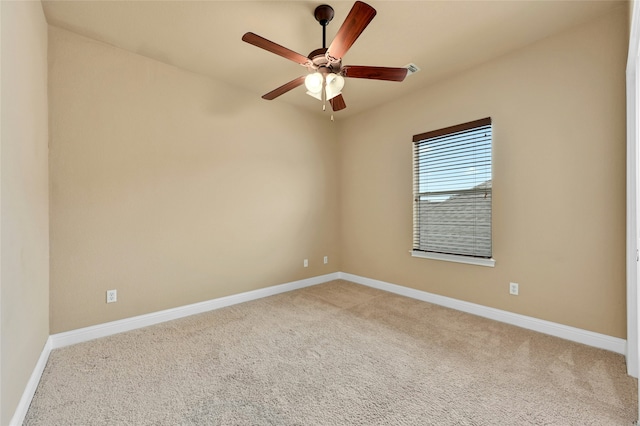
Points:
(112, 296)
(513, 289)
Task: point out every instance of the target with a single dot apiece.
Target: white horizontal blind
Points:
(452, 190)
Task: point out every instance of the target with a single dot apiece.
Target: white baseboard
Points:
(107, 329)
(590, 338)
(32, 386)
(59, 340)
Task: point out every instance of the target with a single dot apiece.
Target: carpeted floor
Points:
(333, 354)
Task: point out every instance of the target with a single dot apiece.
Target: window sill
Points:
(454, 258)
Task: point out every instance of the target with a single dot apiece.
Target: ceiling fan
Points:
(326, 72)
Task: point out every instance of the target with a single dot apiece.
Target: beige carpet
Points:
(333, 354)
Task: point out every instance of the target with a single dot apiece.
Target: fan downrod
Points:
(324, 15)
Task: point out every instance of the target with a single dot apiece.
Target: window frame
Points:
(460, 258)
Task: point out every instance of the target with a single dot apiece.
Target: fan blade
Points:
(374, 73)
(272, 47)
(337, 103)
(284, 88)
(356, 21)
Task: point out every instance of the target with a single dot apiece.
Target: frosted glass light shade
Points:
(313, 82)
(317, 95)
(335, 83)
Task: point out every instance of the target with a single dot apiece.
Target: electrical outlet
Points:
(306, 263)
(513, 289)
(112, 296)
(326, 260)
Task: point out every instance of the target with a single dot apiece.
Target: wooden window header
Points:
(452, 129)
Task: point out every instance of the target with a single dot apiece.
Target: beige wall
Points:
(24, 221)
(175, 189)
(558, 110)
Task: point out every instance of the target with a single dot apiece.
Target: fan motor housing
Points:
(321, 64)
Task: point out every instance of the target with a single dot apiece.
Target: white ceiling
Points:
(441, 37)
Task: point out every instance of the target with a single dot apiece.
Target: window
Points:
(452, 193)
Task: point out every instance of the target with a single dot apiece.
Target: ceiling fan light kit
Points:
(314, 82)
(325, 80)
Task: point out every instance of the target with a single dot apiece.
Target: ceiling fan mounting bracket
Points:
(323, 14)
